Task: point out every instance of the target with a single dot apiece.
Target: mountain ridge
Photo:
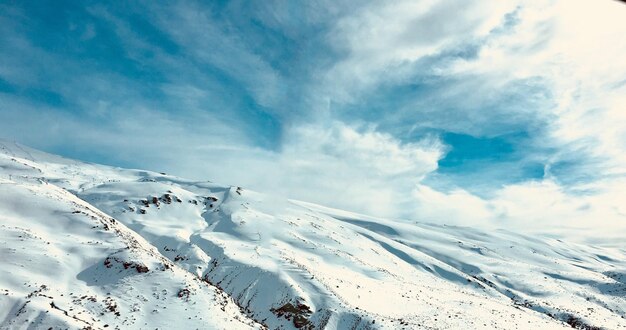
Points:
(279, 263)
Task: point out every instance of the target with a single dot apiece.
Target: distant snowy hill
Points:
(91, 246)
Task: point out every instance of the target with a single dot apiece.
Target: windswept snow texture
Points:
(85, 245)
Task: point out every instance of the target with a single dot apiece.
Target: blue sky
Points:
(370, 106)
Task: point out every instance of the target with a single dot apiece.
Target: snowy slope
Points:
(287, 264)
(66, 264)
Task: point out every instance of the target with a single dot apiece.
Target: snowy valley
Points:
(86, 246)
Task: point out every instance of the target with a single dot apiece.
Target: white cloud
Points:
(378, 153)
(594, 213)
(355, 168)
(457, 207)
(383, 39)
(561, 60)
(566, 54)
(570, 50)
(575, 49)
(338, 165)
(212, 43)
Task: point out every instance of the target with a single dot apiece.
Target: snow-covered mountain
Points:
(91, 246)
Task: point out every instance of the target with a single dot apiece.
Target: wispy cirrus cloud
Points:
(432, 110)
